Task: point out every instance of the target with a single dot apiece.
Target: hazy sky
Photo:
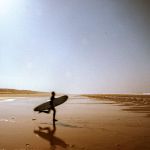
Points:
(75, 46)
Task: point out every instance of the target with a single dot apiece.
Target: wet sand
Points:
(135, 103)
(83, 124)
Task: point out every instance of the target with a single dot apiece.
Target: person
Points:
(52, 98)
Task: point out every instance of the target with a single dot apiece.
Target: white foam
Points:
(8, 100)
(6, 120)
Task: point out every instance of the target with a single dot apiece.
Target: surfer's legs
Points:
(54, 114)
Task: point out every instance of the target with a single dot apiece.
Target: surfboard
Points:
(46, 105)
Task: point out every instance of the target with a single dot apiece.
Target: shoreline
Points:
(25, 95)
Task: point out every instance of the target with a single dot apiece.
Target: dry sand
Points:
(83, 124)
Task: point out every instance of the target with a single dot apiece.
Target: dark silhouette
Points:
(48, 134)
(52, 105)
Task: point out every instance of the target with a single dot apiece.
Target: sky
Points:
(75, 46)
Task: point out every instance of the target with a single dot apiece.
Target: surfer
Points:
(52, 105)
(47, 106)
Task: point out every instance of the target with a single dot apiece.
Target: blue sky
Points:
(75, 46)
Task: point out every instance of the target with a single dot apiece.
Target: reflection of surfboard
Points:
(46, 105)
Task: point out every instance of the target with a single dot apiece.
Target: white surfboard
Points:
(46, 105)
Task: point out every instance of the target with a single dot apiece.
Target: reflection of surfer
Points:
(52, 105)
(48, 134)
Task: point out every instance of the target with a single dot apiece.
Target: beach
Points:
(84, 123)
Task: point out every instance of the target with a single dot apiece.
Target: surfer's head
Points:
(53, 93)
